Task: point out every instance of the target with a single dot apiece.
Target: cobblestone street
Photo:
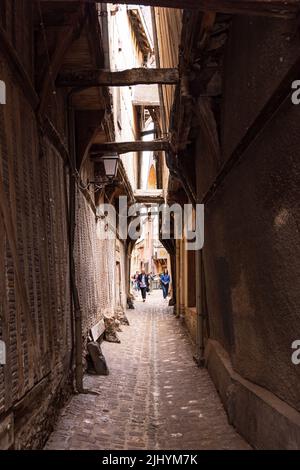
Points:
(154, 398)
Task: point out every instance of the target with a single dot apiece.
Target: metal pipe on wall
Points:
(201, 308)
(72, 224)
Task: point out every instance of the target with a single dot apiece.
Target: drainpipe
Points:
(199, 358)
(72, 224)
(177, 267)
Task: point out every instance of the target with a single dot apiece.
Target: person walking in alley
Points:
(165, 282)
(151, 279)
(143, 281)
(135, 278)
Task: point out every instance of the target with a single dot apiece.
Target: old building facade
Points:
(238, 295)
(61, 268)
(211, 122)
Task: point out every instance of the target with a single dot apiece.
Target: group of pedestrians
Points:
(142, 282)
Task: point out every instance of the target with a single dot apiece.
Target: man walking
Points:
(165, 283)
(143, 281)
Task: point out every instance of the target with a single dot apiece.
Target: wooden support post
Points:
(275, 8)
(137, 76)
(128, 147)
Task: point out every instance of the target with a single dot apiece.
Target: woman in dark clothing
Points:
(165, 282)
(143, 281)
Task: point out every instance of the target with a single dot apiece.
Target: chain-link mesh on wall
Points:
(95, 264)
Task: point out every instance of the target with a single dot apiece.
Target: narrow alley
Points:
(155, 396)
(149, 225)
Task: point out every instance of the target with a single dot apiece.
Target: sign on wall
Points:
(2, 353)
(2, 92)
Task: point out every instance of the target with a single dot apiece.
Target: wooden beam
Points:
(138, 76)
(276, 8)
(152, 196)
(128, 147)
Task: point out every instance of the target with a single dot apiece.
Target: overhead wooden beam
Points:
(277, 8)
(152, 196)
(138, 76)
(127, 147)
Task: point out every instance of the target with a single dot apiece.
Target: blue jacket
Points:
(165, 278)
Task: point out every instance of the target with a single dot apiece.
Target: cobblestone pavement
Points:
(155, 396)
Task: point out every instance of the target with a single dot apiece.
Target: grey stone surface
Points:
(155, 396)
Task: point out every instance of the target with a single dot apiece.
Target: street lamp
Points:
(108, 172)
(111, 163)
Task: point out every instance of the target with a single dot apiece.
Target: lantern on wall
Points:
(110, 162)
(106, 170)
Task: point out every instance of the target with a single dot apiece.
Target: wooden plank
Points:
(127, 147)
(136, 76)
(273, 8)
(97, 330)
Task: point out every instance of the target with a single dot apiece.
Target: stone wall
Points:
(251, 251)
(190, 318)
